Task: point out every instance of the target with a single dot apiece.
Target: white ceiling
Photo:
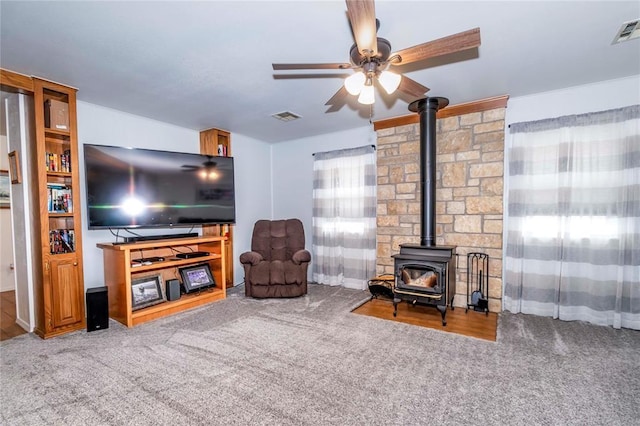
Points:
(203, 64)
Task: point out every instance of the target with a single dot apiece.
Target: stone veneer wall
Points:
(469, 189)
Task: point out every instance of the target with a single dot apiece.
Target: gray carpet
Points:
(309, 361)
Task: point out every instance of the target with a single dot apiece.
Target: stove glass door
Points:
(420, 278)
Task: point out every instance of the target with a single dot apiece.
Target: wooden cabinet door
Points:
(66, 295)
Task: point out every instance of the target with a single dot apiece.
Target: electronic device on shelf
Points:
(141, 188)
(139, 238)
(192, 254)
(148, 259)
(196, 278)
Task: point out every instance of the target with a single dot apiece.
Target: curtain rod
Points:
(372, 146)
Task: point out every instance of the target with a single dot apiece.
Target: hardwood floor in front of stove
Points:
(8, 326)
(474, 324)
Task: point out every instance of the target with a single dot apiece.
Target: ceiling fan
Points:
(371, 58)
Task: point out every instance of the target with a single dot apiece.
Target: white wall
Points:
(252, 163)
(293, 171)
(574, 100)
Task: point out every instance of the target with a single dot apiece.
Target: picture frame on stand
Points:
(197, 277)
(146, 291)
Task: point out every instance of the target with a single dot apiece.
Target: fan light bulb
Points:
(366, 95)
(354, 83)
(389, 81)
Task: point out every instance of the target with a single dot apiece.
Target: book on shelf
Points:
(58, 162)
(222, 150)
(59, 198)
(61, 241)
(65, 160)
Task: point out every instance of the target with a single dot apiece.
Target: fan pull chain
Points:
(370, 113)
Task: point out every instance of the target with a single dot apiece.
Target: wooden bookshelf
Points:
(59, 285)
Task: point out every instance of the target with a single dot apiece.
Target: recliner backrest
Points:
(277, 239)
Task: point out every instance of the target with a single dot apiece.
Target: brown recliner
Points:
(277, 264)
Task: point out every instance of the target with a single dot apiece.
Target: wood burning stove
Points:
(425, 273)
(426, 276)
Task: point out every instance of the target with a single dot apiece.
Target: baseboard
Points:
(24, 325)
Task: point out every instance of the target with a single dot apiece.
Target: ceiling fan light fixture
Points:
(389, 81)
(354, 83)
(367, 96)
(370, 56)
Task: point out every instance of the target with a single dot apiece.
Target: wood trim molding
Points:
(450, 111)
(13, 80)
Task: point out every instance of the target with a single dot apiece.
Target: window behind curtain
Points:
(573, 218)
(344, 217)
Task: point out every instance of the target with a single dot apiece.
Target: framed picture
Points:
(14, 167)
(197, 277)
(5, 200)
(146, 291)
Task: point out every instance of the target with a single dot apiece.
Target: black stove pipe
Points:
(427, 108)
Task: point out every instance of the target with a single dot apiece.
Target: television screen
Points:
(130, 187)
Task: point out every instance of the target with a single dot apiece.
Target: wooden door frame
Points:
(13, 82)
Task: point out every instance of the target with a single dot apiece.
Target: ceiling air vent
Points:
(628, 31)
(286, 116)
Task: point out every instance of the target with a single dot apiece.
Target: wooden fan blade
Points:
(362, 15)
(279, 67)
(338, 100)
(442, 46)
(412, 88)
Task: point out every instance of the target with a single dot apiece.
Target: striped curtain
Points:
(572, 227)
(344, 217)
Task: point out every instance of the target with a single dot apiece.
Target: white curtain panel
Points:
(572, 225)
(344, 217)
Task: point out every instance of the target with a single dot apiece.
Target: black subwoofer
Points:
(97, 308)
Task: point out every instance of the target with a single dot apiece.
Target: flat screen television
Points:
(141, 188)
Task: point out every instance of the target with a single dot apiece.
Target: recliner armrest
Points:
(301, 256)
(251, 257)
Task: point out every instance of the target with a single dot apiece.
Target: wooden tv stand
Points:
(119, 272)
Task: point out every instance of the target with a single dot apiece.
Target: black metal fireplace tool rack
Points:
(478, 282)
